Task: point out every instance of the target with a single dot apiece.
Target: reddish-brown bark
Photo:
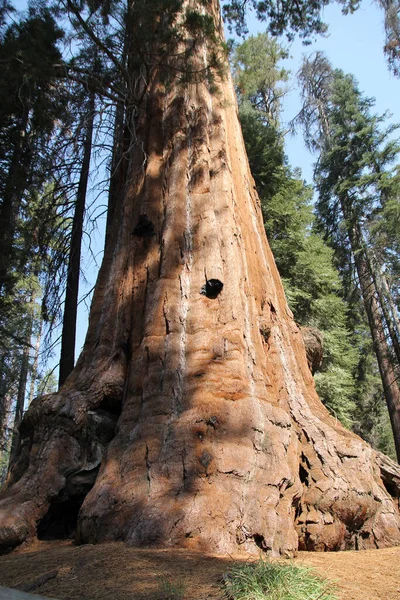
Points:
(220, 439)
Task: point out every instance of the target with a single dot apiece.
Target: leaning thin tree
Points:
(191, 417)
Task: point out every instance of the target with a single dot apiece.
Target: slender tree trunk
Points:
(14, 187)
(193, 390)
(394, 311)
(68, 336)
(20, 401)
(35, 363)
(22, 379)
(376, 324)
(4, 400)
(117, 170)
(386, 302)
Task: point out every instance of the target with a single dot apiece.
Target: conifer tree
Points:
(304, 261)
(354, 182)
(68, 336)
(29, 109)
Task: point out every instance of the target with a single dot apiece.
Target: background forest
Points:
(64, 87)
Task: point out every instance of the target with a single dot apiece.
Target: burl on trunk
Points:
(191, 418)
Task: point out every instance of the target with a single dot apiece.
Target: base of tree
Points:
(280, 482)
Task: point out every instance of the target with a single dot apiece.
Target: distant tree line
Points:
(339, 260)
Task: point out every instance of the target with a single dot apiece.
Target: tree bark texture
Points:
(191, 417)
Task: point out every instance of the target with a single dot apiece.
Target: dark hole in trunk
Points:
(212, 288)
(391, 487)
(103, 420)
(259, 540)
(111, 404)
(296, 503)
(303, 474)
(144, 227)
(364, 534)
(390, 480)
(60, 521)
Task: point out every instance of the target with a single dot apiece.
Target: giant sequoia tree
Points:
(191, 417)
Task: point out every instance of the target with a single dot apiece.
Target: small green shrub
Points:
(265, 580)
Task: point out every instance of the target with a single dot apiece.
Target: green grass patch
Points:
(265, 580)
(170, 590)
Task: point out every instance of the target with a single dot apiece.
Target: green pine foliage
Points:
(303, 17)
(355, 164)
(31, 108)
(259, 78)
(33, 111)
(265, 153)
(358, 201)
(384, 233)
(371, 418)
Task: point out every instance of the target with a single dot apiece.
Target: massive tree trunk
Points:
(191, 417)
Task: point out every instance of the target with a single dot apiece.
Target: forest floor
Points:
(115, 571)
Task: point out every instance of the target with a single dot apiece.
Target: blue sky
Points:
(354, 43)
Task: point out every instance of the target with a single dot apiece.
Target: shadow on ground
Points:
(62, 570)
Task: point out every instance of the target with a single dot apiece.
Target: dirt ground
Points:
(117, 572)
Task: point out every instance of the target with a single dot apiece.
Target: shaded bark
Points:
(68, 336)
(314, 345)
(191, 417)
